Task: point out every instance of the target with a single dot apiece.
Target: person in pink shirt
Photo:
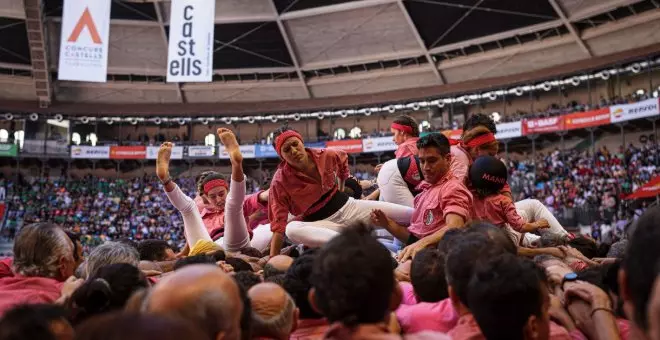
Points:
(406, 134)
(445, 203)
(309, 184)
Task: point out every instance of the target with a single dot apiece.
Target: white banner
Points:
(247, 151)
(201, 151)
(378, 144)
(509, 130)
(84, 40)
(53, 147)
(647, 108)
(152, 152)
(190, 52)
(90, 152)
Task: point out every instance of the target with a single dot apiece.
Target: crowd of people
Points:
(441, 250)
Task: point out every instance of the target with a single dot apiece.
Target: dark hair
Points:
(247, 280)
(488, 175)
(270, 270)
(130, 326)
(196, 259)
(75, 238)
(207, 177)
(435, 140)
(406, 120)
(480, 119)
(498, 235)
(246, 316)
(449, 239)
(109, 289)
(503, 293)
(587, 247)
(252, 252)
(276, 279)
(282, 129)
(217, 255)
(296, 283)
(238, 264)
(31, 322)
(153, 250)
(427, 273)
(641, 260)
(353, 279)
(128, 242)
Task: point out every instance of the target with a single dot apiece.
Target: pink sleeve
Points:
(278, 207)
(5, 267)
(456, 199)
(408, 294)
(506, 189)
(342, 166)
(251, 204)
(511, 214)
(459, 163)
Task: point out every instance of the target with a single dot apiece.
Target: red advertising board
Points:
(581, 120)
(348, 146)
(543, 125)
(128, 152)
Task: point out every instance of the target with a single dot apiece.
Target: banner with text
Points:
(201, 151)
(8, 150)
(84, 40)
(190, 52)
(152, 152)
(378, 144)
(265, 151)
(128, 152)
(348, 146)
(543, 125)
(646, 108)
(90, 152)
(509, 130)
(247, 151)
(52, 147)
(587, 119)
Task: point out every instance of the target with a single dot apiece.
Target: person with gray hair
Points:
(274, 314)
(43, 260)
(109, 253)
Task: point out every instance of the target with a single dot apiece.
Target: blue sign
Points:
(265, 151)
(315, 145)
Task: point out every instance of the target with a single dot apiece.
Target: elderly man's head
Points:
(277, 265)
(110, 253)
(274, 314)
(202, 294)
(44, 249)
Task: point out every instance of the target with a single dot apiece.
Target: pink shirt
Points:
(424, 316)
(407, 148)
(251, 205)
(408, 297)
(310, 329)
(213, 217)
(448, 196)
(468, 329)
(18, 289)
(498, 210)
(291, 191)
(460, 162)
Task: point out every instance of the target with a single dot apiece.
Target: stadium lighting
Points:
(636, 68)
(9, 116)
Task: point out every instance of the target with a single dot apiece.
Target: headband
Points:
(210, 185)
(481, 140)
(404, 128)
(279, 141)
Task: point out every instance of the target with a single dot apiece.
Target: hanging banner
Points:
(247, 151)
(84, 40)
(201, 151)
(509, 130)
(348, 146)
(128, 152)
(646, 108)
(543, 125)
(190, 52)
(8, 150)
(587, 119)
(378, 144)
(90, 152)
(315, 145)
(152, 152)
(265, 151)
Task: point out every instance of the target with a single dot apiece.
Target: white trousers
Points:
(315, 234)
(392, 187)
(532, 210)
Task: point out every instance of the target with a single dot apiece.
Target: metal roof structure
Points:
(275, 54)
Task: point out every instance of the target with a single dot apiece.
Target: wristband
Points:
(169, 180)
(609, 310)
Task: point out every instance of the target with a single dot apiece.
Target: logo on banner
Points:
(190, 47)
(646, 108)
(543, 122)
(85, 21)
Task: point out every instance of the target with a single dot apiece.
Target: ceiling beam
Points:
(159, 16)
(420, 42)
(36, 35)
(603, 6)
(570, 27)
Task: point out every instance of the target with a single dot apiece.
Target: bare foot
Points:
(163, 161)
(228, 139)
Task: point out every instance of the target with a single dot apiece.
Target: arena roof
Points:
(304, 54)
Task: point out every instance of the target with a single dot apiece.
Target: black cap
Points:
(488, 173)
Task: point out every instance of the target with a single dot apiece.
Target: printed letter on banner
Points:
(190, 53)
(84, 40)
(646, 108)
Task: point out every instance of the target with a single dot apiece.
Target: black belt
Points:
(334, 204)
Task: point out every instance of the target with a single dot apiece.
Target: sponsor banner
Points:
(128, 152)
(348, 146)
(90, 152)
(587, 119)
(53, 147)
(543, 125)
(316, 145)
(201, 151)
(8, 150)
(265, 151)
(248, 151)
(190, 52)
(509, 130)
(152, 152)
(84, 40)
(622, 113)
(378, 144)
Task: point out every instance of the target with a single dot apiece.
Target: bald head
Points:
(277, 265)
(274, 314)
(202, 294)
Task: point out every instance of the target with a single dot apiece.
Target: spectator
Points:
(110, 253)
(274, 314)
